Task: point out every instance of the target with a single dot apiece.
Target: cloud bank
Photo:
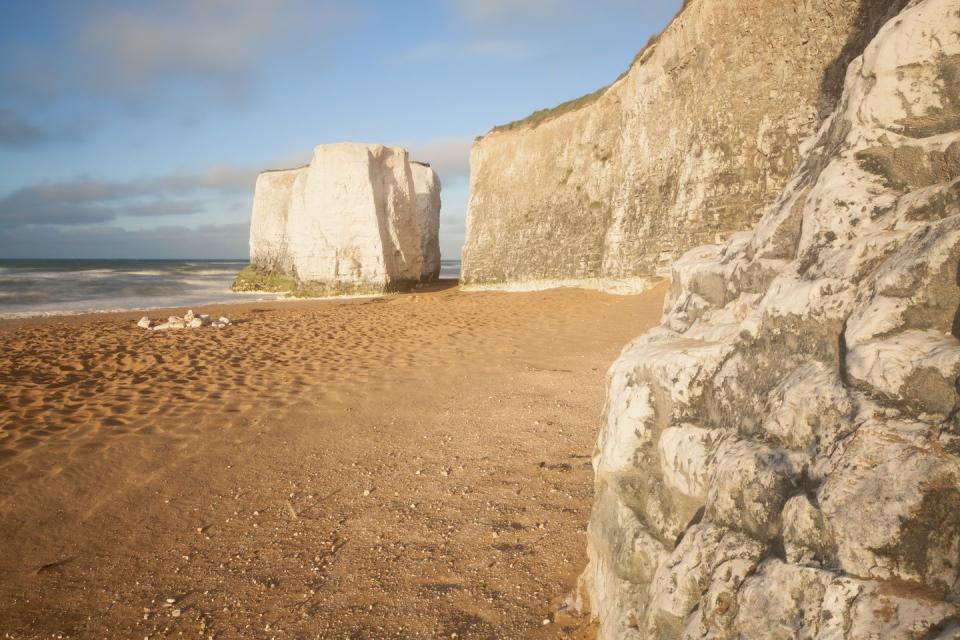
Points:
(145, 52)
(172, 242)
(16, 131)
(85, 201)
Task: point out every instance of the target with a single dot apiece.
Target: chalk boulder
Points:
(781, 457)
(349, 222)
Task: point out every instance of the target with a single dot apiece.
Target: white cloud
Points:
(534, 13)
(135, 46)
(449, 157)
(221, 177)
(84, 201)
(453, 219)
(16, 131)
(203, 241)
(139, 51)
(486, 10)
(490, 49)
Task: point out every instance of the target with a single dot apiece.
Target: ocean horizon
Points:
(51, 287)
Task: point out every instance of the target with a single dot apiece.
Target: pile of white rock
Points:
(188, 321)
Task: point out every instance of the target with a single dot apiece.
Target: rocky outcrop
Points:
(781, 457)
(351, 221)
(268, 223)
(427, 186)
(698, 135)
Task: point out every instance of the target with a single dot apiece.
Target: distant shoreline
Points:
(43, 288)
(244, 298)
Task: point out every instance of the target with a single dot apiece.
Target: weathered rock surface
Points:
(427, 186)
(687, 147)
(350, 221)
(781, 457)
(269, 251)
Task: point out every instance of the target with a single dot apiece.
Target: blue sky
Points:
(136, 129)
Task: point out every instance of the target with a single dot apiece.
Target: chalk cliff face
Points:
(685, 148)
(427, 185)
(268, 223)
(781, 457)
(350, 221)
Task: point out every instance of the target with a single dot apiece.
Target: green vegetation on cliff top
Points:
(537, 118)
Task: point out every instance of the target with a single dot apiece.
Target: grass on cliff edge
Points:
(543, 115)
(538, 117)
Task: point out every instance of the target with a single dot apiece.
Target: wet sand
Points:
(412, 466)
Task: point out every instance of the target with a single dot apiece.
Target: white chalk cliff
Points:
(427, 186)
(687, 147)
(781, 457)
(357, 218)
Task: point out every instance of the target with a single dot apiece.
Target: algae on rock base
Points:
(251, 280)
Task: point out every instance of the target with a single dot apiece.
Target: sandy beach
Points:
(411, 466)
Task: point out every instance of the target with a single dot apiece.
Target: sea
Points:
(62, 287)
